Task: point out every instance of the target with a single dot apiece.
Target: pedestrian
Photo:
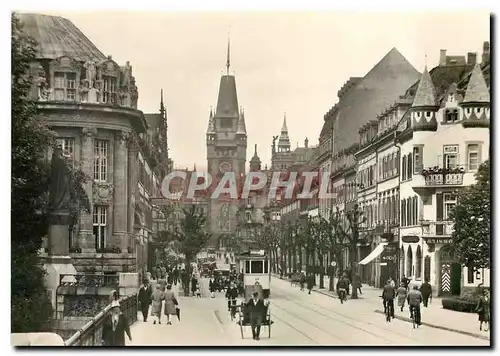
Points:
(257, 311)
(175, 275)
(211, 287)
(171, 304)
(231, 295)
(144, 299)
(157, 303)
(194, 284)
(115, 326)
(347, 282)
(483, 310)
(401, 294)
(388, 297)
(170, 278)
(414, 299)
(405, 281)
(302, 280)
(310, 282)
(163, 271)
(357, 283)
(162, 282)
(342, 289)
(392, 283)
(426, 291)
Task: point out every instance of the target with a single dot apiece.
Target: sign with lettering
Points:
(439, 240)
(410, 239)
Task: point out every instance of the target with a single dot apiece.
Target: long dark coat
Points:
(144, 296)
(483, 309)
(310, 282)
(116, 337)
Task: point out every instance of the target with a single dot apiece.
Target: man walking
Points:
(144, 299)
(115, 327)
(426, 291)
(257, 309)
(388, 297)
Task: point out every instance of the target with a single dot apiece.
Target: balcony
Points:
(437, 176)
(437, 228)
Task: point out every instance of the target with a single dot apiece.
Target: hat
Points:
(255, 294)
(115, 304)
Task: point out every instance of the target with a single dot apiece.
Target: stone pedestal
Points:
(55, 267)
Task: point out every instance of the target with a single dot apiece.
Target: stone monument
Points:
(58, 261)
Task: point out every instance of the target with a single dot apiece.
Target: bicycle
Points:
(388, 310)
(412, 317)
(233, 309)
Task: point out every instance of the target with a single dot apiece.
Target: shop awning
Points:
(374, 254)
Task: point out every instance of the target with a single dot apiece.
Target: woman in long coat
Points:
(211, 286)
(401, 295)
(483, 310)
(170, 303)
(157, 298)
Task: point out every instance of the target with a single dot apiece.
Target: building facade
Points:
(443, 142)
(91, 103)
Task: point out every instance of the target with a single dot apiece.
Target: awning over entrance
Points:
(374, 254)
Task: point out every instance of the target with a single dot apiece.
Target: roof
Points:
(227, 102)
(284, 140)
(378, 89)
(477, 91)
(426, 94)
(57, 37)
(241, 124)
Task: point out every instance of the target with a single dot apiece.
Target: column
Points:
(120, 234)
(86, 239)
(133, 167)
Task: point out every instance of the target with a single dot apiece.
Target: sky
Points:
(293, 62)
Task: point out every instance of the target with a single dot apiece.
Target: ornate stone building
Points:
(91, 103)
(226, 140)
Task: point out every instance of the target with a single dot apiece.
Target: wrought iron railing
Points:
(89, 280)
(91, 333)
(437, 228)
(443, 176)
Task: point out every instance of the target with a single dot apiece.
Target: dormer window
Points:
(109, 89)
(451, 115)
(64, 86)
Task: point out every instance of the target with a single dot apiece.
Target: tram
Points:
(254, 265)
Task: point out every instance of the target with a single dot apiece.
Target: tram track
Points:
(381, 336)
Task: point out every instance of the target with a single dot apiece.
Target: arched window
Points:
(403, 214)
(404, 168)
(409, 262)
(418, 263)
(408, 212)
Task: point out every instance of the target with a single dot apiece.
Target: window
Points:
(473, 156)
(417, 159)
(64, 86)
(257, 266)
(451, 115)
(470, 274)
(67, 145)
(450, 156)
(266, 267)
(403, 212)
(449, 202)
(410, 167)
(100, 160)
(404, 168)
(109, 90)
(100, 222)
(247, 266)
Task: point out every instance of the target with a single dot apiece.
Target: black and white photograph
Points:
(250, 178)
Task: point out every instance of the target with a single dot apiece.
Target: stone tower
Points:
(226, 152)
(282, 157)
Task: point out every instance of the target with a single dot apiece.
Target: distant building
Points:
(91, 103)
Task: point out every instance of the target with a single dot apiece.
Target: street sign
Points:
(410, 239)
(439, 240)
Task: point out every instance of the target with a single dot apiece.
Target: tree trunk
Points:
(331, 274)
(354, 290)
(321, 270)
(300, 257)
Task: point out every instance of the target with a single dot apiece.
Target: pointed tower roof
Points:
(227, 103)
(242, 130)
(425, 95)
(284, 140)
(162, 106)
(477, 90)
(211, 125)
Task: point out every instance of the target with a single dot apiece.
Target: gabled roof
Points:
(426, 94)
(477, 91)
(58, 37)
(378, 89)
(227, 102)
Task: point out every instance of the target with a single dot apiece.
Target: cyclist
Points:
(388, 297)
(231, 295)
(414, 300)
(342, 286)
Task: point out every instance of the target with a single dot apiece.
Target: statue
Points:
(60, 181)
(274, 143)
(91, 72)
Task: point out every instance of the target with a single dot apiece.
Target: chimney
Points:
(471, 58)
(486, 52)
(442, 57)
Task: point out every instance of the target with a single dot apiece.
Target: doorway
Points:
(450, 272)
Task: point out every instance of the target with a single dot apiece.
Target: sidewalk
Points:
(434, 316)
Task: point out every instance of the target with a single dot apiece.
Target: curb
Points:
(439, 327)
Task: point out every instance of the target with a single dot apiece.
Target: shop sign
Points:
(439, 240)
(410, 239)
